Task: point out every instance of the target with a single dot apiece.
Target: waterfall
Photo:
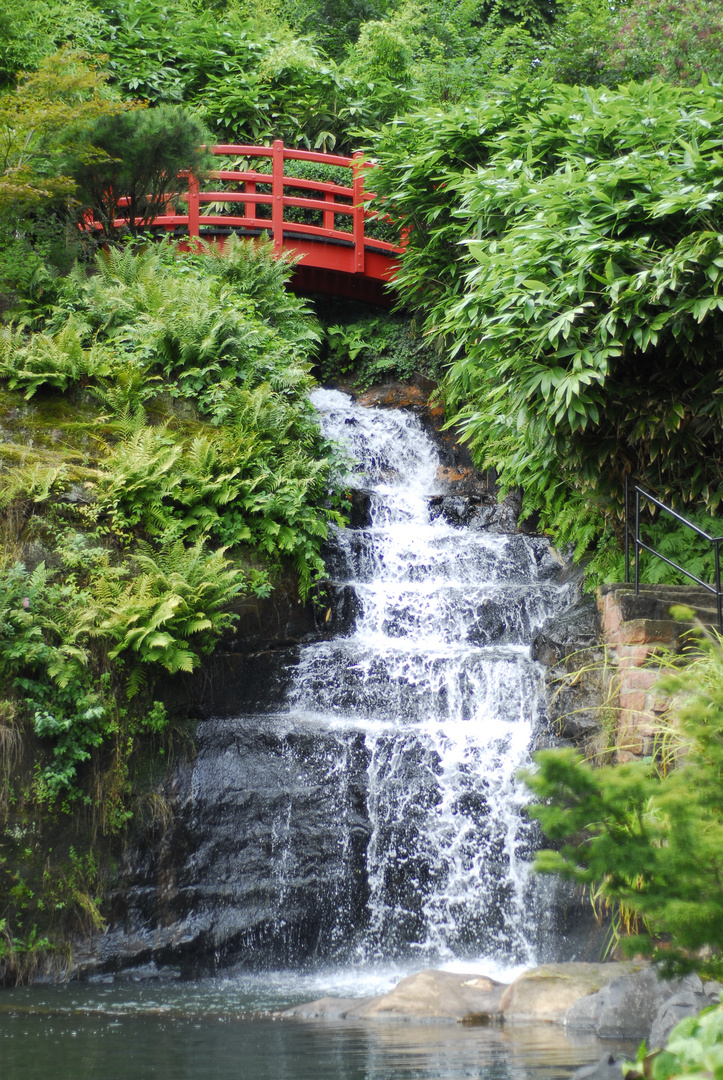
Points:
(437, 680)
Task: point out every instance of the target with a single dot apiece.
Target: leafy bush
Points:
(31, 30)
(376, 347)
(174, 606)
(42, 127)
(678, 40)
(195, 369)
(584, 322)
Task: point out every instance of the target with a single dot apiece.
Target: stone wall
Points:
(604, 660)
(639, 632)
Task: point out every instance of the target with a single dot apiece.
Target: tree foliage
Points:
(43, 124)
(609, 44)
(130, 171)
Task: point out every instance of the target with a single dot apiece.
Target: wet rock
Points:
(693, 996)
(264, 862)
(578, 681)
(549, 992)
(625, 1008)
(428, 995)
(231, 682)
(340, 609)
(572, 630)
(359, 508)
(476, 512)
(412, 395)
(491, 623)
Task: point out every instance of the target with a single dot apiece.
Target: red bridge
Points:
(326, 224)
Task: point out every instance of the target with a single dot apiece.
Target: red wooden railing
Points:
(325, 246)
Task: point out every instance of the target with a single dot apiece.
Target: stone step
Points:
(653, 602)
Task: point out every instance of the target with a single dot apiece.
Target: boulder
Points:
(412, 395)
(548, 992)
(626, 1007)
(693, 996)
(438, 995)
(428, 995)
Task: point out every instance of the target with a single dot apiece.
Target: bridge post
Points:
(194, 225)
(358, 218)
(277, 196)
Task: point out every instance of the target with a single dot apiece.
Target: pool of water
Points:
(229, 1029)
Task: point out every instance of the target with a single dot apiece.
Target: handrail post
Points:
(194, 224)
(250, 207)
(637, 539)
(719, 604)
(329, 222)
(277, 196)
(358, 219)
(627, 533)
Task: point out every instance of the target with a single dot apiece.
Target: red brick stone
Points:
(641, 678)
(644, 631)
(632, 700)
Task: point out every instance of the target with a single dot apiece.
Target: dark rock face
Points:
(231, 682)
(264, 861)
(477, 511)
(577, 679)
(572, 630)
(359, 508)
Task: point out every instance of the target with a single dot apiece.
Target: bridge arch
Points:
(341, 255)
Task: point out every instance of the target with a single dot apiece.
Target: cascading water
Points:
(436, 678)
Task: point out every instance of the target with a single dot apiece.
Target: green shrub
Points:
(584, 321)
(136, 157)
(372, 348)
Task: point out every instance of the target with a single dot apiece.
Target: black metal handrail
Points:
(640, 545)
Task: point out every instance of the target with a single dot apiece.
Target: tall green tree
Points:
(133, 169)
(43, 126)
(612, 43)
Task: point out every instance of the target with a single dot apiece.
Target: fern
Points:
(171, 610)
(56, 360)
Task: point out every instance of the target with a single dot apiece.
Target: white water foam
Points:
(438, 678)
